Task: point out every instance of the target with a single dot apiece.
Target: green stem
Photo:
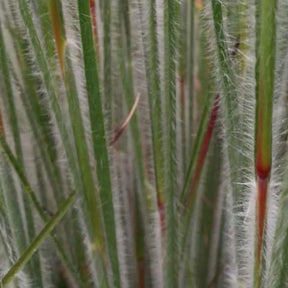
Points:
(28, 253)
(27, 187)
(170, 10)
(99, 135)
(150, 47)
(34, 266)
(263, 149)
(190, 66)
(107, 63)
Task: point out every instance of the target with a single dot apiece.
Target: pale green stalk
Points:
(107, 67)
(170, 10)
(190, 68)
(36, 243)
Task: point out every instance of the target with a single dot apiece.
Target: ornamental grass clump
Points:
(143, 143)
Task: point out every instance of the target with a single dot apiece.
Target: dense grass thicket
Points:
(144, 143)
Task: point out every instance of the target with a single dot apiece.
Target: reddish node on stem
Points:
(263, 176)
(204, 148)
(262, 169)
(141, 273)
(94, 25)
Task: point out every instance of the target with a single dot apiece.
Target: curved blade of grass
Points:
(127, 120)
(25, 257)
(263, 148)
(99, 135)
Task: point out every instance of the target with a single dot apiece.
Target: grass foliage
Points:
(143, 143)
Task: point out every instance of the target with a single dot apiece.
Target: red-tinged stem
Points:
(265, 69)
(204, 148)
(94, 25)
(262, 190)
(141, 272)
(2, 131)
(263, 169)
